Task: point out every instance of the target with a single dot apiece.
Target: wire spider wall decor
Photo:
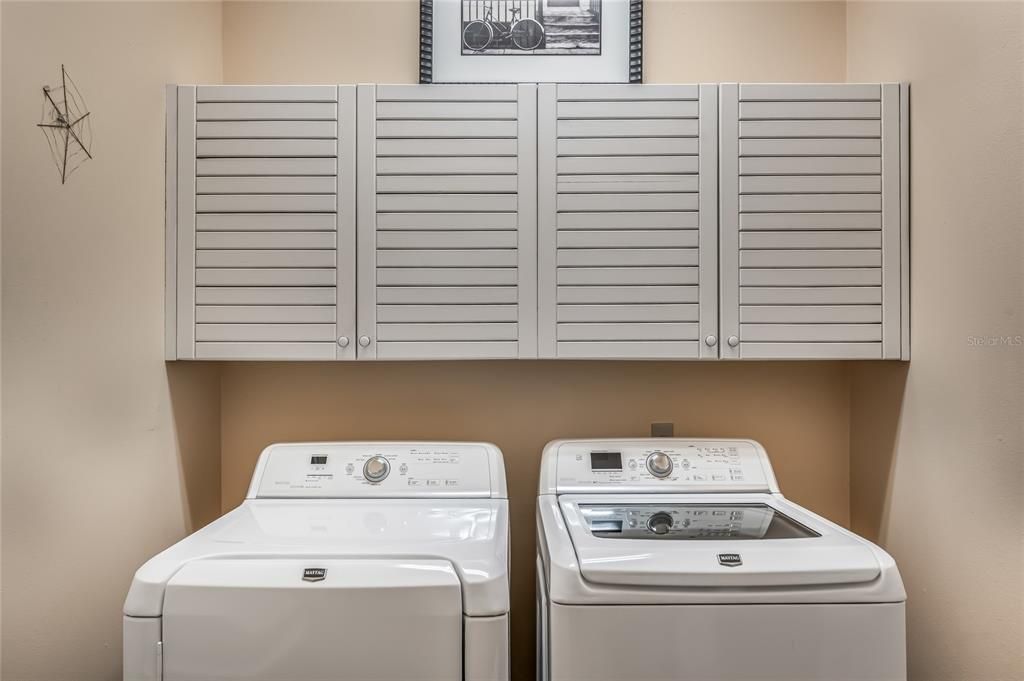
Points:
(66, 125)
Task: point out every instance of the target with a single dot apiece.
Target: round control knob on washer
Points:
(659, 464)
(376, 468)
(659, 523)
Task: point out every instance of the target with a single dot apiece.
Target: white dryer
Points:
(680, 559)
(362, 561)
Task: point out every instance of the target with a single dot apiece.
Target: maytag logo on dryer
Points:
(314, 574)
(730, 559)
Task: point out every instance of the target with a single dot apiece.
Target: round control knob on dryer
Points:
(376, 468)
(659, 523)
(659, 464)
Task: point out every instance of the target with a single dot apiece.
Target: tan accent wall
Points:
(799, 411)
(109, 455)
(937, 453)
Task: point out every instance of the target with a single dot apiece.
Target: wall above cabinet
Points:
(537, 221)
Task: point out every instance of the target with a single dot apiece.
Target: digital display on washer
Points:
(691, 521)
(318, 460)
(606, 461)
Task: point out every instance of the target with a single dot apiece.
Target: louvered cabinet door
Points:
(263, 181)
(447, 221)
(627, 230)
(815, 221)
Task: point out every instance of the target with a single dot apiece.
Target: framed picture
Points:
(532, 41)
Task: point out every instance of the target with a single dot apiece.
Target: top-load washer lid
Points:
(724, 541)
(691, 521)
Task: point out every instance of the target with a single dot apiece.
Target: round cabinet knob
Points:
(376, 468)
(659, 523)
(711, 341)
(364, 341)
(733, 341)
(659, 464)
(343, 341)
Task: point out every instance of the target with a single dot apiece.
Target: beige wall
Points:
(303, 42)
(1, 360)
(102, 467)
(692, 42)
(938, 463)
(800, 411)
(321, 42)
(109, 455)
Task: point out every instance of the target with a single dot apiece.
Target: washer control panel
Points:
(343, 470)
(662, 465)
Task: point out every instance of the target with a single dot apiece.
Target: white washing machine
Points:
(346, 561)
(680, 559)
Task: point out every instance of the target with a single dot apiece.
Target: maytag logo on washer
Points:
(730, 559)
(314, 574)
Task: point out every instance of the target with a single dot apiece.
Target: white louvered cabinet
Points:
(447, 221)
(571, 221)
(261, 222)
(814, 221)
(627, 221)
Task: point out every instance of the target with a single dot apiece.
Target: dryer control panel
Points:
(379, 469)
(656, 465)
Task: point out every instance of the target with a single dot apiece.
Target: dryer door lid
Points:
(711, 544)
(304, 619)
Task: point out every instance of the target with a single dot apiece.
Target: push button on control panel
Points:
(376, 469)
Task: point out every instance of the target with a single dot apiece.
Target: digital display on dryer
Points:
(318, 460)
(606, 461)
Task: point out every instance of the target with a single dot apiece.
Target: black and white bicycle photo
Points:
(577, 41)
(531, 27)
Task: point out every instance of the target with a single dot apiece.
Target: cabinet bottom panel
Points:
(628, 349)
(448, 350)
(266, 351)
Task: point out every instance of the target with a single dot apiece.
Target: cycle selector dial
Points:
(376, 469)
(659, 464)
(660, 523)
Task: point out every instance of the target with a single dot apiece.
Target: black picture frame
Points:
(635, 54)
